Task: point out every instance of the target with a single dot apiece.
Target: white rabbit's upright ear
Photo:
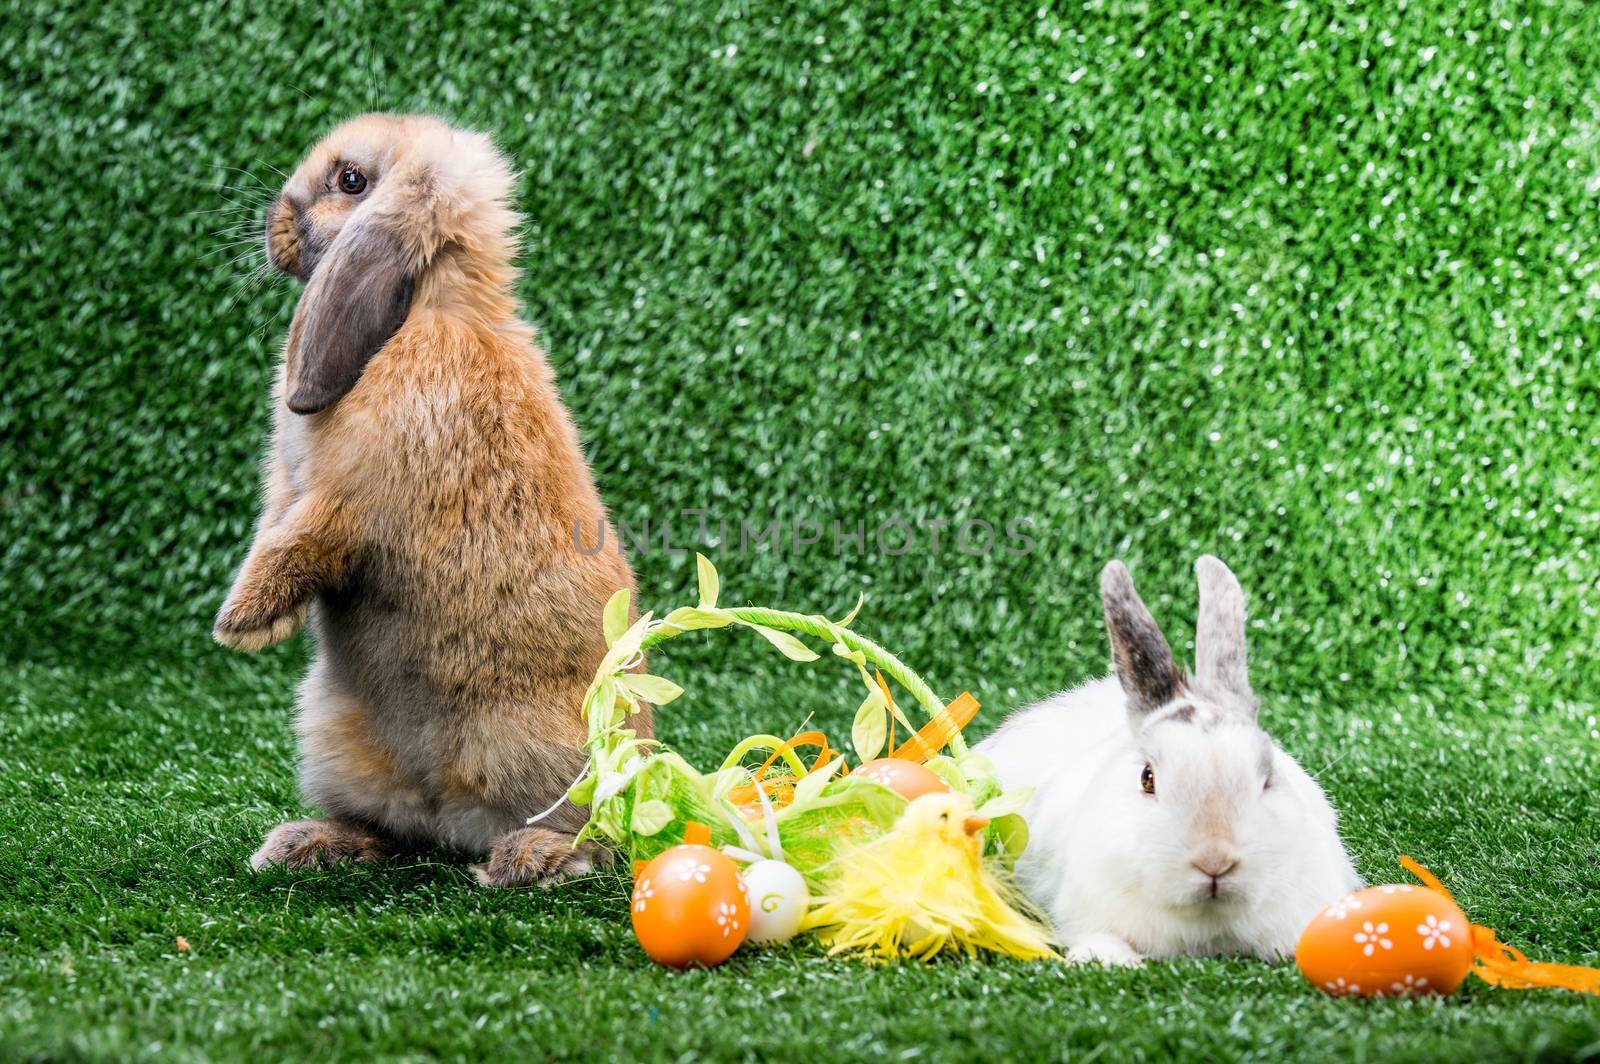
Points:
(1145, 666)
(1219, 645)
(357, 298)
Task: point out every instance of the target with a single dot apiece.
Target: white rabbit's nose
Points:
(1216, 863)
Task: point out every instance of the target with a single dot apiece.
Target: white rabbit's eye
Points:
(1147, 779)
(352, 181)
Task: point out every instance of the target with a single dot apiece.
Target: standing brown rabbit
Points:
(424, 492)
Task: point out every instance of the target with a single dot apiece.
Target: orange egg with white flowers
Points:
(1386, 942)
(906, 778)
(690, 906)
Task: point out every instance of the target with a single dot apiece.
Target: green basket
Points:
(641, 795)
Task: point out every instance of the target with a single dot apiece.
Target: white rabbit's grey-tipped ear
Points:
(1219, 645)
(1145, 667)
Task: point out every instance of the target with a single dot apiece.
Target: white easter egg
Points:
(778, 900)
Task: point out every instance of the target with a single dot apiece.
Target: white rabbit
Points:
(1164, 820)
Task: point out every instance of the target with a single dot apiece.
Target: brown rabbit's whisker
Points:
(238, 259)
(259, 273)
(211, 183)
(296, 88)
(236, 208)
(239, 237)
(239, 226)
(249, 173)
(210, 190)
(262, 192)
(243, 286)
(232, 213)
(243, 229)
(259, 277)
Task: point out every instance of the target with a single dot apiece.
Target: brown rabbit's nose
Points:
(285, 248)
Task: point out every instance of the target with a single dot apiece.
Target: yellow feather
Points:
(923, 889)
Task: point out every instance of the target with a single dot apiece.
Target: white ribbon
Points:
(751, 850)
(610, 784)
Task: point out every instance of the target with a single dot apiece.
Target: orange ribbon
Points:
(1501, 965)
(938, 732)
(780, 789)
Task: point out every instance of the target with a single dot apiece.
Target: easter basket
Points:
(801, 800)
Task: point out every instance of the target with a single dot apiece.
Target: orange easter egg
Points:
(690, 906)
(1387, 941)
(906, 778)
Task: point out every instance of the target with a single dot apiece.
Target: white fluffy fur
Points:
(1115, 868)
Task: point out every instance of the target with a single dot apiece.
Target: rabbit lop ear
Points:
(1219, 646)
(1144, 662)
(358, 296)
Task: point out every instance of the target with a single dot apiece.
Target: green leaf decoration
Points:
(899, 715)
(982, 780)
(949, 771)
(1005, 804)
(657, 690)
(791, 647)
(625, 647)
(871, 727)
(653, 780)
(1010, 832)
(601, 705)
(856, 656)
(691, 618)
(811, 786)
(614, 621)
(649, 818)
(709, 583)
(583, 790)
(861, 599)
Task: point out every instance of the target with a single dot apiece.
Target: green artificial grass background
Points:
(1311, 286)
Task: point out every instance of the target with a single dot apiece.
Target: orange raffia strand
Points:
(1501, 965)
(935, 734)
(780, 789)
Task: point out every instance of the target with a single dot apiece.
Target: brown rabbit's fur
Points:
(428, 515)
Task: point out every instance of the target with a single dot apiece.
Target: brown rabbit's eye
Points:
(1147, 779)
(352, 181)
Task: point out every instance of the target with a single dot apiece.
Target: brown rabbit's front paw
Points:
(539, 856)
(312, 843)
(243, 628)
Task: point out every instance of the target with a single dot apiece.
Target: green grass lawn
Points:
(1312, 286)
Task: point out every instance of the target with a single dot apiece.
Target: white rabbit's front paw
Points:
(1108, 950)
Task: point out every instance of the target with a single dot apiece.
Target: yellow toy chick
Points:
(924, 888)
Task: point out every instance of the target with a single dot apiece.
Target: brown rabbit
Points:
(425, 493)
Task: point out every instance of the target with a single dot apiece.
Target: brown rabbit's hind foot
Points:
(315, 843)
(538, 857)
(237, 629)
